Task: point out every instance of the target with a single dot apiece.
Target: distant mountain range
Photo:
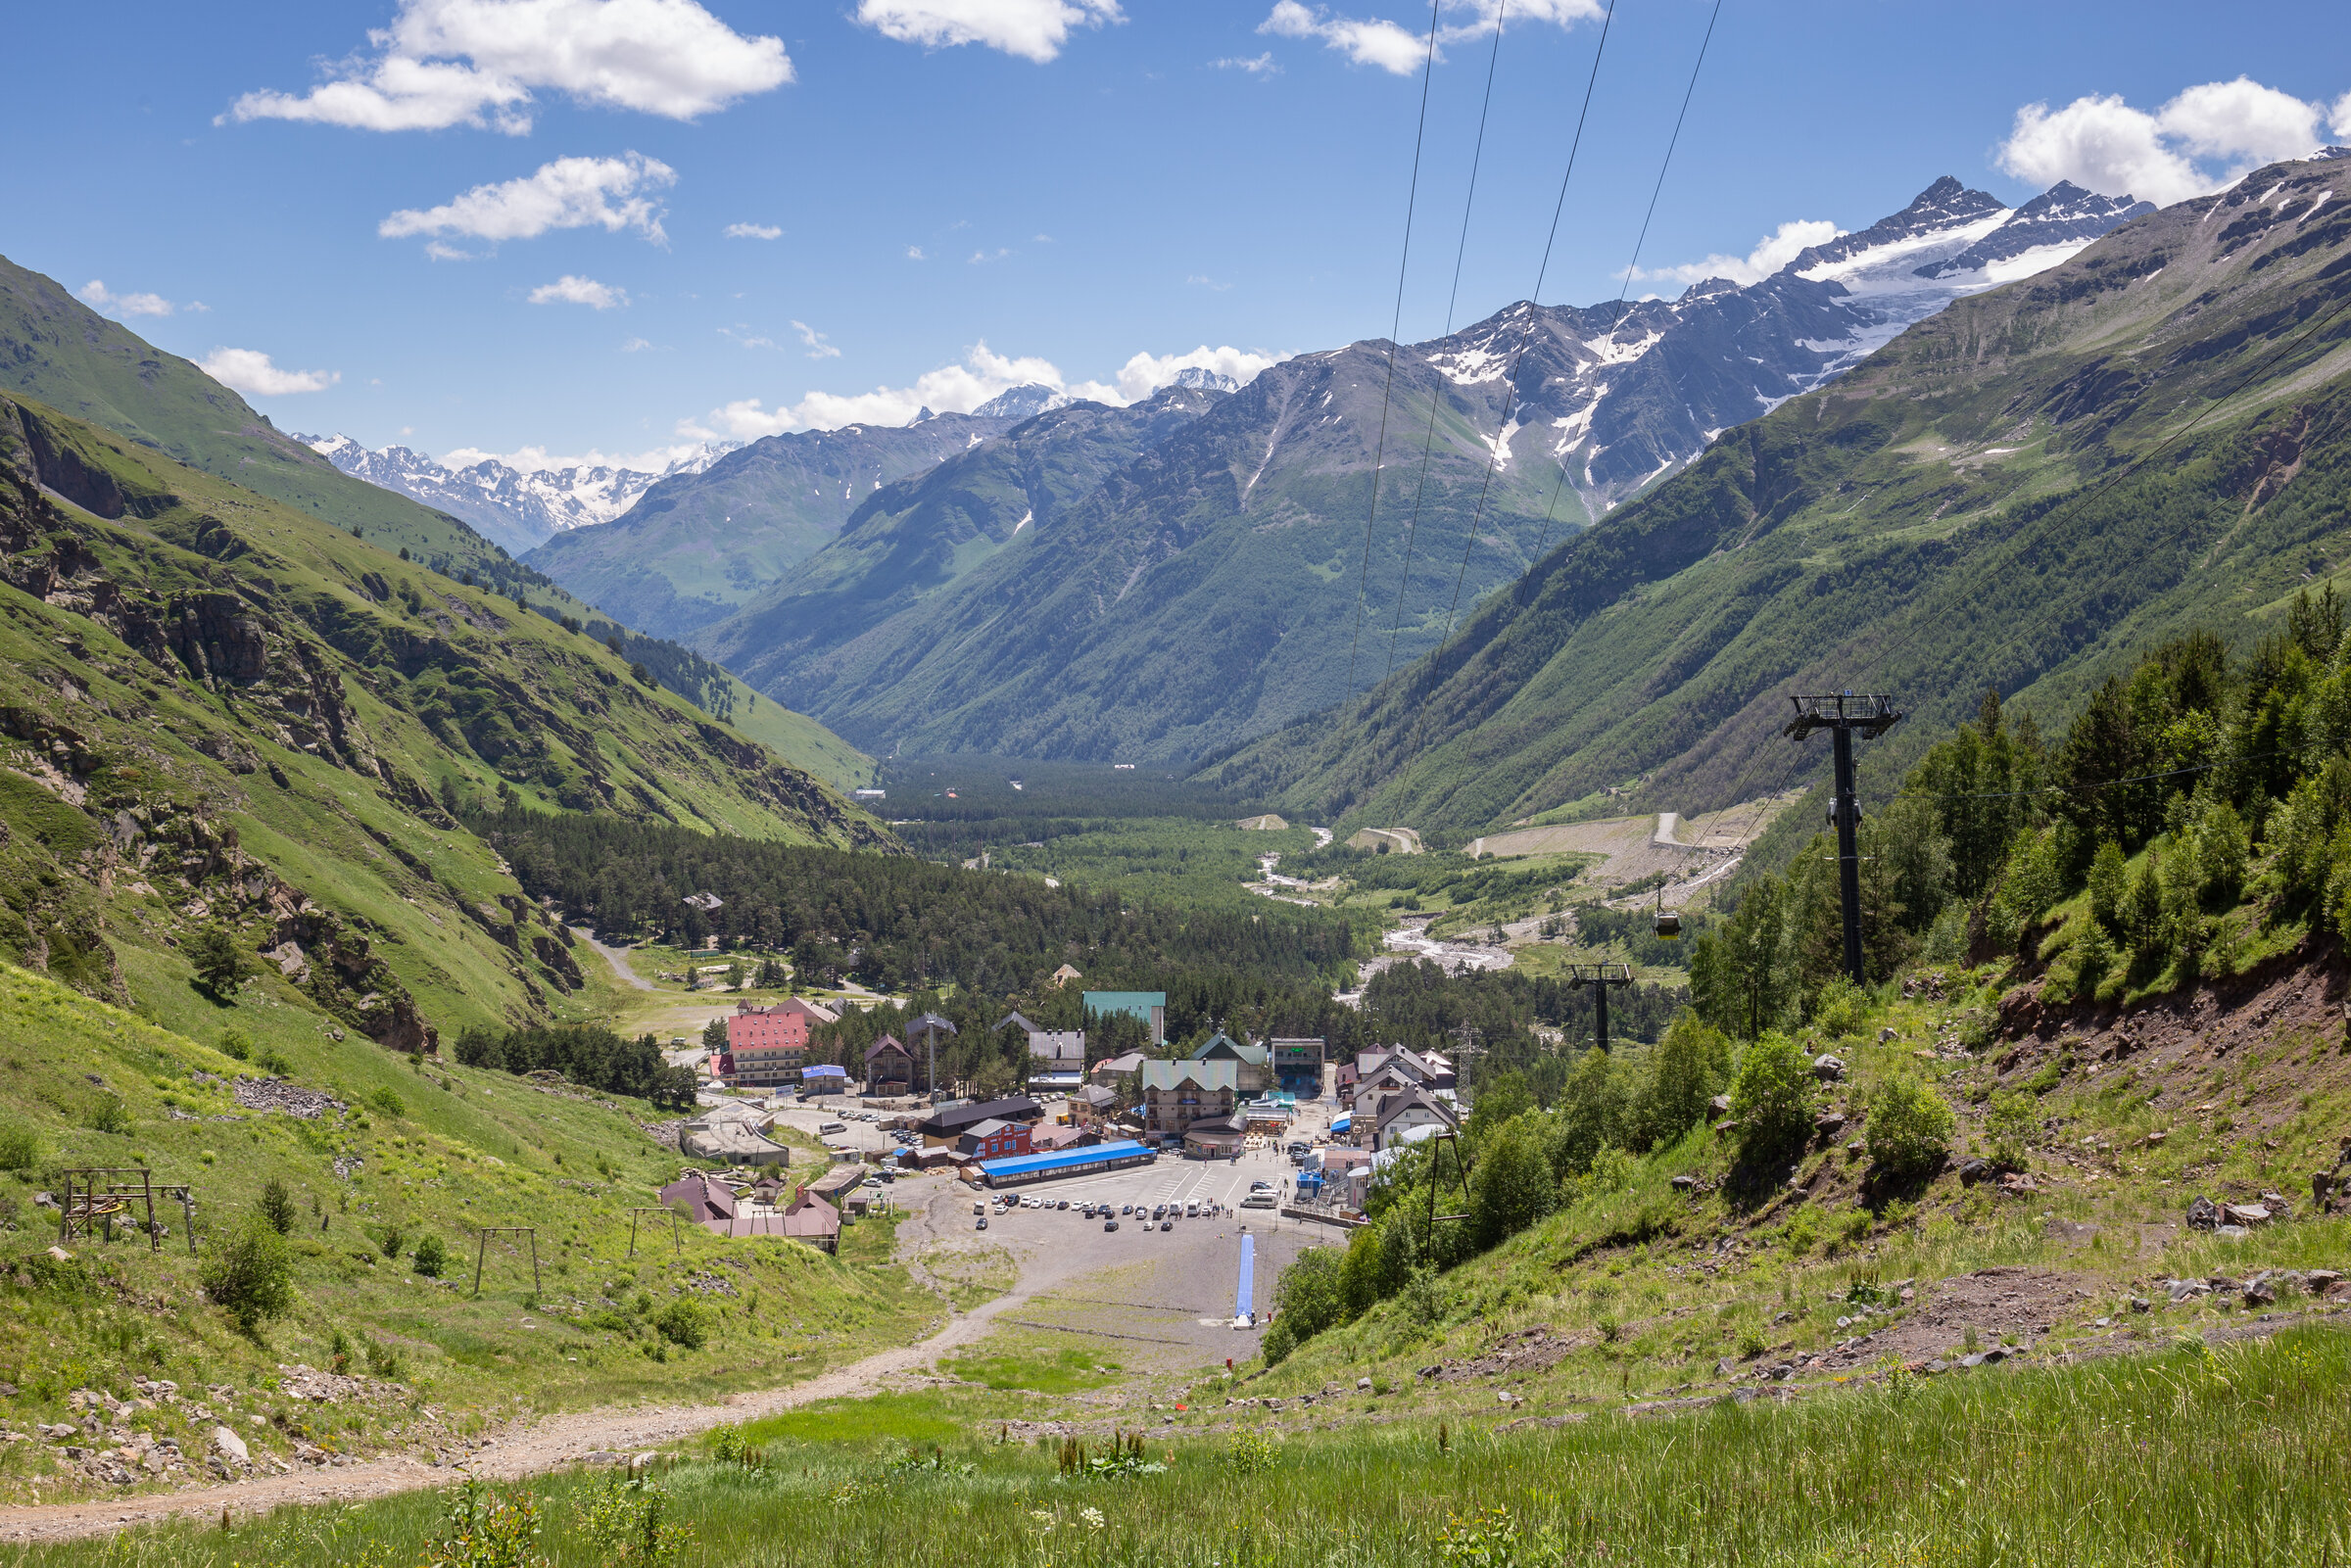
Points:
(518, 509)
(1162, 581)
(2025, 493)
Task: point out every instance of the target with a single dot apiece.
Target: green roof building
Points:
(1151, 1006)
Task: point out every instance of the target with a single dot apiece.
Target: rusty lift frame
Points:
(92, 1204)
(675, 1234)
(482, 1246)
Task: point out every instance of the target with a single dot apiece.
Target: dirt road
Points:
(550, 1444)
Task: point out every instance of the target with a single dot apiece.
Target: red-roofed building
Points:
(769, 1045)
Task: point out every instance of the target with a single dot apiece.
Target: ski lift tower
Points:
(930, 1025)
(1844, 714)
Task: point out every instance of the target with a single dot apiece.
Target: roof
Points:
(1061, 1160)
(1029, 1026)
(1093, 1094)
(986, 1129)
(1137, 1003)
(1343, 1124)
(1230, 1125)
(1395, 1105)
(1206, 1074)
(957, 1118)
(1066, 972)
(886, 1043)
(1224, 1048)
(1058, 1045)
(1131, 1062)
(824, 1069)
(701, 1196)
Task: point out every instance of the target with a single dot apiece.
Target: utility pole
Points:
(1602, 977)
(1842, 714)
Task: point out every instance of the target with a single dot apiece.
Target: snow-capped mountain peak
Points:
(518, 507)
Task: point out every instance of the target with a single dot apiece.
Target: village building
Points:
(1062, 975)
(1093, 1106)
(1214, 1137)
(1177, 1094)
(1110, 1069)
(994, 1139)
(889, 1068)
(947, 1124)
(767, 1046)
(1298, 1065)
(1406, 1110)
(1252, 1064)
(1091, 1160)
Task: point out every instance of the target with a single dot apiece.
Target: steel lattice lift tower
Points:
(1842, 714)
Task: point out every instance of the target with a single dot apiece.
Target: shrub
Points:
(387, 1100)
(236, 1045)
(219, 964)
(1688, 1068)
(1910, 1126)
(252, 1275)
(2109, 886)
(1280, 1339)
(2008, 1122)
(109, 1114)
(276, 1205)
(1842, 1009)
(392, 1241)
(20, 1148)
(430, 1258)
(2223, 850)
(1772, 1096)
(682, 1323)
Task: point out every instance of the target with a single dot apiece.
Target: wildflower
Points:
(1092, 1517)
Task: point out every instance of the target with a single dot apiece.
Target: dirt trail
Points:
(550, 1444)
(616, 958)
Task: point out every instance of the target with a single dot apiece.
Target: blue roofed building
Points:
(1093, 1160)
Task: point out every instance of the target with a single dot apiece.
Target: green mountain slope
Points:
(221, 710)
(1206, 589)
(697, 546)
(57, 351)
(1953, 513)
(915, 539)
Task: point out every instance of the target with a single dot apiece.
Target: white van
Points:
(1261, 1200)
(832, 1127)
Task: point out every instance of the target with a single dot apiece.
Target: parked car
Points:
(1159, 1212)
(1125, 1209)
(1167, 1224)
(979, 1209)
(981, 1224)
(1110, 1224)
(1065, 1202)
(1191, 1209)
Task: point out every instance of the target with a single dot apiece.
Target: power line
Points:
(1492, 457)
(1436, 393)
(1429, 66)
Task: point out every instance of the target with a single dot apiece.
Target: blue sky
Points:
(1073, 185)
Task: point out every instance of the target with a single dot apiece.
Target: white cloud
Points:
(637, 345)
(981, 258)
(568, 193)
(1207, 282)
(475, 62)
(1262, 65)
(249, 370)
(961, 388)
(1399, 49)
(914, 253)
(100, 296)
(2169, 154)
(1146, 373)
(1034, 29)
(439, 251)
(2339, 119)
(754, 231)
(1366, 43)
(1771, 253)
(570, 290)
(818, 347)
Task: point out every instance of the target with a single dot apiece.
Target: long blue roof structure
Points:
(1061, 1160)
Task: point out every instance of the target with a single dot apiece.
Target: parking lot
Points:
(1167, 1297)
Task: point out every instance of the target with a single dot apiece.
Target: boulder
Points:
(2321, 1182)
(1720, 1105)
(642, 1463)
(2261, 1292)
(1828, 1068)
(1363, 1382)
(1886, 1034)
(229, 1445)
(1972, 1171)
(1684, 1183)
(1828, 1123)
(2248, 1215)
(2203, 1213)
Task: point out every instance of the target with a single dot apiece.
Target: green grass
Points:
(467, 1149)
(1035, 1363)
(2241, 1455)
